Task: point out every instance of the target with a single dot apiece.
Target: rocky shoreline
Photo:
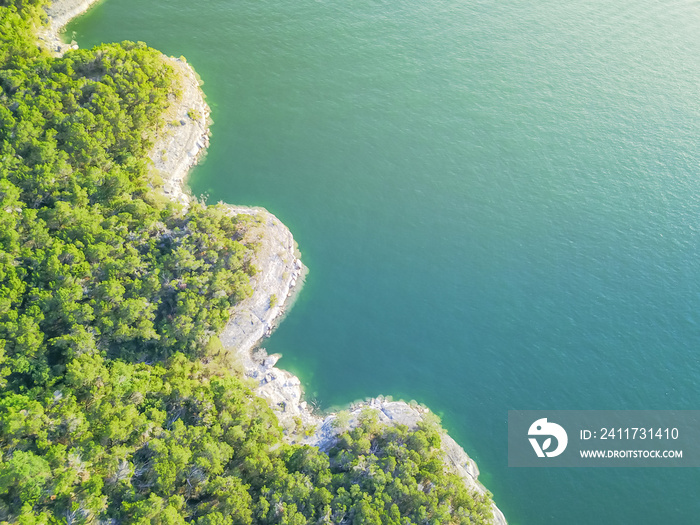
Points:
(281, 273)
(185, 136)
(59, 13)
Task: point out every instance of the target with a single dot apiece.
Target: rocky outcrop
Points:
(466, 468)
(411, 414)
(63, 11)
(278, 272)
(185, 135)
(283, 392)
(280, 275)
(59, 13)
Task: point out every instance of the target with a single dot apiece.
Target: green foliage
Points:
(108, 297)
(385, 475)
(342, 420)
(90, 261)
(194, 114)
(17, 22)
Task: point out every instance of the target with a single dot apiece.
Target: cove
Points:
(497, 202)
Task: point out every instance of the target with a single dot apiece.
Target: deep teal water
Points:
(498, 203)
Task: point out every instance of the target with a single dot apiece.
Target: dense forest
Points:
(110, 295)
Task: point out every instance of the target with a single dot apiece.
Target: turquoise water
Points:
(498, 203)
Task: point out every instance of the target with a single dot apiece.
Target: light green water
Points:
(498, 203)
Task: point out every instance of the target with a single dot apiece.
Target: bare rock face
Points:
(284, 394)
(466, 468)
(279, 272)
(185, 136)
(59, 13)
